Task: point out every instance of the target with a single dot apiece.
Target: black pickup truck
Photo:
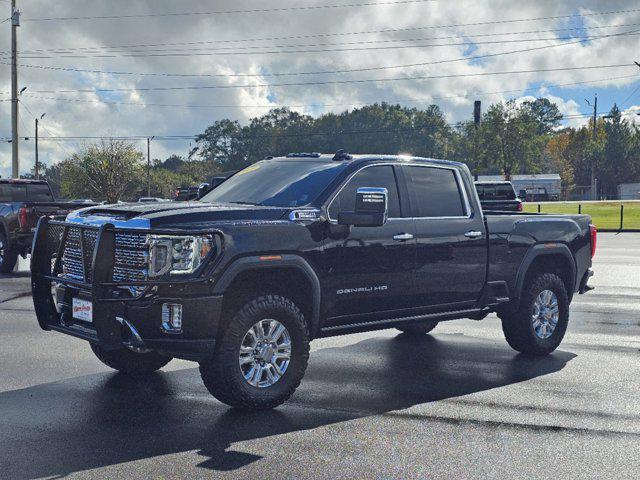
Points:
(498, 196)
(22, 203)
(301, 247)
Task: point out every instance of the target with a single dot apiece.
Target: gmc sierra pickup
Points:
(22, 203)
(301, 247)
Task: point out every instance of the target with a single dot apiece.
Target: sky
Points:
(173, 68)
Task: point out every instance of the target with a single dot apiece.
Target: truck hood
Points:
(159, 215)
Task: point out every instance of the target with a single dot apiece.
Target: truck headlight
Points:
(177, 255)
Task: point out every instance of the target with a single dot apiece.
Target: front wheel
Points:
(129, 362)
(261, 357)
(539, 324)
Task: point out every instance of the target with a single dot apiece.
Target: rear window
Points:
(39, 193)
(500, 191)
(13, 192)
(435, 192)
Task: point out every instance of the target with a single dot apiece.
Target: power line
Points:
(267, 74)
(317, 105)
(327, 82)
(322, 35)
(285, 135)
(316, 7)
(227, 12)
(252, 75)
(301, 48)
(60, 146)
(315, 50)
(193, 46)
(631, 95)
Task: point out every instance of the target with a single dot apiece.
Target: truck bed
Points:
(512, 235)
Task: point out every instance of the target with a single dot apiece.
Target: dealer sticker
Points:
(82, 310)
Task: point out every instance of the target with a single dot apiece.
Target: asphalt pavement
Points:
(455, 404)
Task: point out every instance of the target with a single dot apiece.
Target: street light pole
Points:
(37, 170)
(15, 23)
(149, 165)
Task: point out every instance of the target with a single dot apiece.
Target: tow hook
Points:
(134, 342)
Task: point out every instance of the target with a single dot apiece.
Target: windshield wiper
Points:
(249, 203)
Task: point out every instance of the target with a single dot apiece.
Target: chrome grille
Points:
(72, 260)
(131, 255)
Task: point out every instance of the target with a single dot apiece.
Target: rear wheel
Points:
(539, 324)
(129, 362)
(261, 357)
(419, 328)
(8, 258)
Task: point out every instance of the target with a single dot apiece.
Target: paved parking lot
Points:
(456, 404)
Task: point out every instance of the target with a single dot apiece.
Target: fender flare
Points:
(543, 249)
(275, 261)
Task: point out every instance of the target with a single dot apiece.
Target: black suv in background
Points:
(498, 196)
(301, 247)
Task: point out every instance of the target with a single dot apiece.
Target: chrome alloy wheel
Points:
(265, 353)
(545, 314)
(2, 251)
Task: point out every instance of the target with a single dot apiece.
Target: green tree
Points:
(620, 161)
(513, 137)
(109, 170)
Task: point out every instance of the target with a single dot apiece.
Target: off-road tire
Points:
(419, 328)
(129, 362)
(221, 373)
(518, 327)
(9, 258)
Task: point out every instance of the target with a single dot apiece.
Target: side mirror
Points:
(371, 208)
(203, 189)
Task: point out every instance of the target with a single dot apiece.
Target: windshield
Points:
(275, 183)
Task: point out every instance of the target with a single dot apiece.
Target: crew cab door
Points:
(368, 269)
(451, 238)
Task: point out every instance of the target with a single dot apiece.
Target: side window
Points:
(435, 192)
(380, 176)
(13, 192)
(39, 193)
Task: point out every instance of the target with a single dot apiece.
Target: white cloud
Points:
(83, 114)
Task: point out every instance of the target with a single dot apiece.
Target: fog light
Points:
(172, 317)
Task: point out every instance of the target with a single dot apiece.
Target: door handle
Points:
(402, 237)
(473, 234)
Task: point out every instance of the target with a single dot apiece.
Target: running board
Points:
(394, 322)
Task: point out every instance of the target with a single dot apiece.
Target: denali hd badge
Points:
(345, 291)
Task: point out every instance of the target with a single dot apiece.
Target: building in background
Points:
(629, 191)
(532, 188)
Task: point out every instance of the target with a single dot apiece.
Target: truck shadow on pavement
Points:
(99, 420)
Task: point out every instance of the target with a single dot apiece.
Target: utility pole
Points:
(149, 165)
(594, 193)
(37, 171)
(477, 112)
(15, 23)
